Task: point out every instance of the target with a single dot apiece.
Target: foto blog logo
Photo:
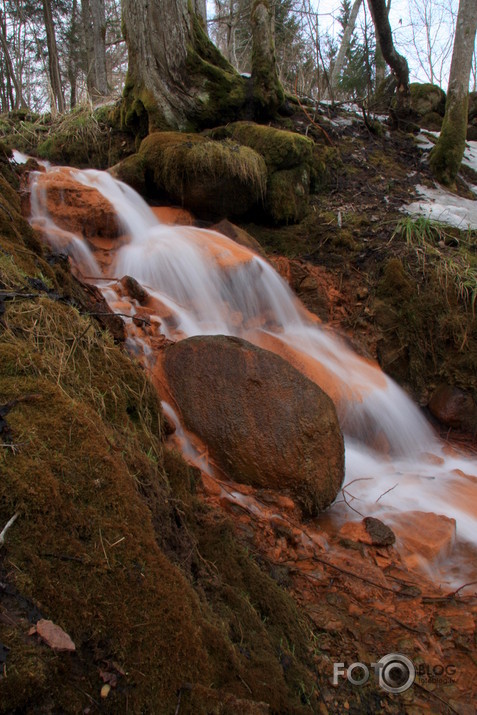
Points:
(395, 673)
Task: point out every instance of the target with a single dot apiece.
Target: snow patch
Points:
(440, 205)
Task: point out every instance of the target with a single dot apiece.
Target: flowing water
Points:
(204, 283)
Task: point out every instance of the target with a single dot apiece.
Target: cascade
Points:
(204, 283)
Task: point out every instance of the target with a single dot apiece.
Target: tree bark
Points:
(396, 62)
(446, 157)
(94, 23)
(72, 59)
(268, 93)
(345, 43)
(177, 79)
(53, 61)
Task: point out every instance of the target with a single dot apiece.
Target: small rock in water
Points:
(381, 535)
(370, 531)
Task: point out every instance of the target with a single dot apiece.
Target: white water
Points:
(210, 285)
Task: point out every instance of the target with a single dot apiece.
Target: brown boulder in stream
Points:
(264, 422)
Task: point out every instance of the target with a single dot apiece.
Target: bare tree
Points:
(10, 77)
(432, 26)
(446, 157)
(345, 43)
(58, 100)
(396, 62)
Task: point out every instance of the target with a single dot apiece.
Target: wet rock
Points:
(263, 421)
(380, 534)
(78, 208)
(135, 289)
(368, 531)
(425, 536)
(173, 216)
(454, 407)
(238, 235)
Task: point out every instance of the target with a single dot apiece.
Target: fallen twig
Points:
(7, 526)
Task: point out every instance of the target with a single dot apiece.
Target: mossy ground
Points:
(82, 137)
(111, 543)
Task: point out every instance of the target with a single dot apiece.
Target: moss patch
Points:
(82, 137)
(212, 178)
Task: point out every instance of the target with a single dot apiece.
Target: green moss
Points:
(280, 149)
(394, 283)
(287, 195)
(132, 171)
(206, 176)
(446, 157)
(427, 98)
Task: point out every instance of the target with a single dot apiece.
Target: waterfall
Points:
(204, 283)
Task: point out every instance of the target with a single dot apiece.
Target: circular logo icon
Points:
(396, 673)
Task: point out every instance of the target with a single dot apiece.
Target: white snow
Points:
(440, 205)
(470, 155)
(19, 157)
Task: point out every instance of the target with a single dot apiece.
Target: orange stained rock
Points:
(370, 376)
(424, 535)
(464, 492)
(173, 216)
(225, 252)
(76, 207)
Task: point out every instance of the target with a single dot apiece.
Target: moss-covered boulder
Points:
(211, 178)
(289, 160)
(432, 121)
(427, 98)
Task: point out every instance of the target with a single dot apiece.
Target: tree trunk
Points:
(177, 79)
(94, 24)
(53, 62)
(446, 157)
(200, 9)
(268, 93)
(345, 43)
(72, 59)
(396, 62)
(10, 71)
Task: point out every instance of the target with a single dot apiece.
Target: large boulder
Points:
(210, 178)
(289, 159)
(427, 98)
(264, 422)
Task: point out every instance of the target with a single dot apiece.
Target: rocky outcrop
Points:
(76, 207)
(264, 422)
(211, 178)
(289, 160)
